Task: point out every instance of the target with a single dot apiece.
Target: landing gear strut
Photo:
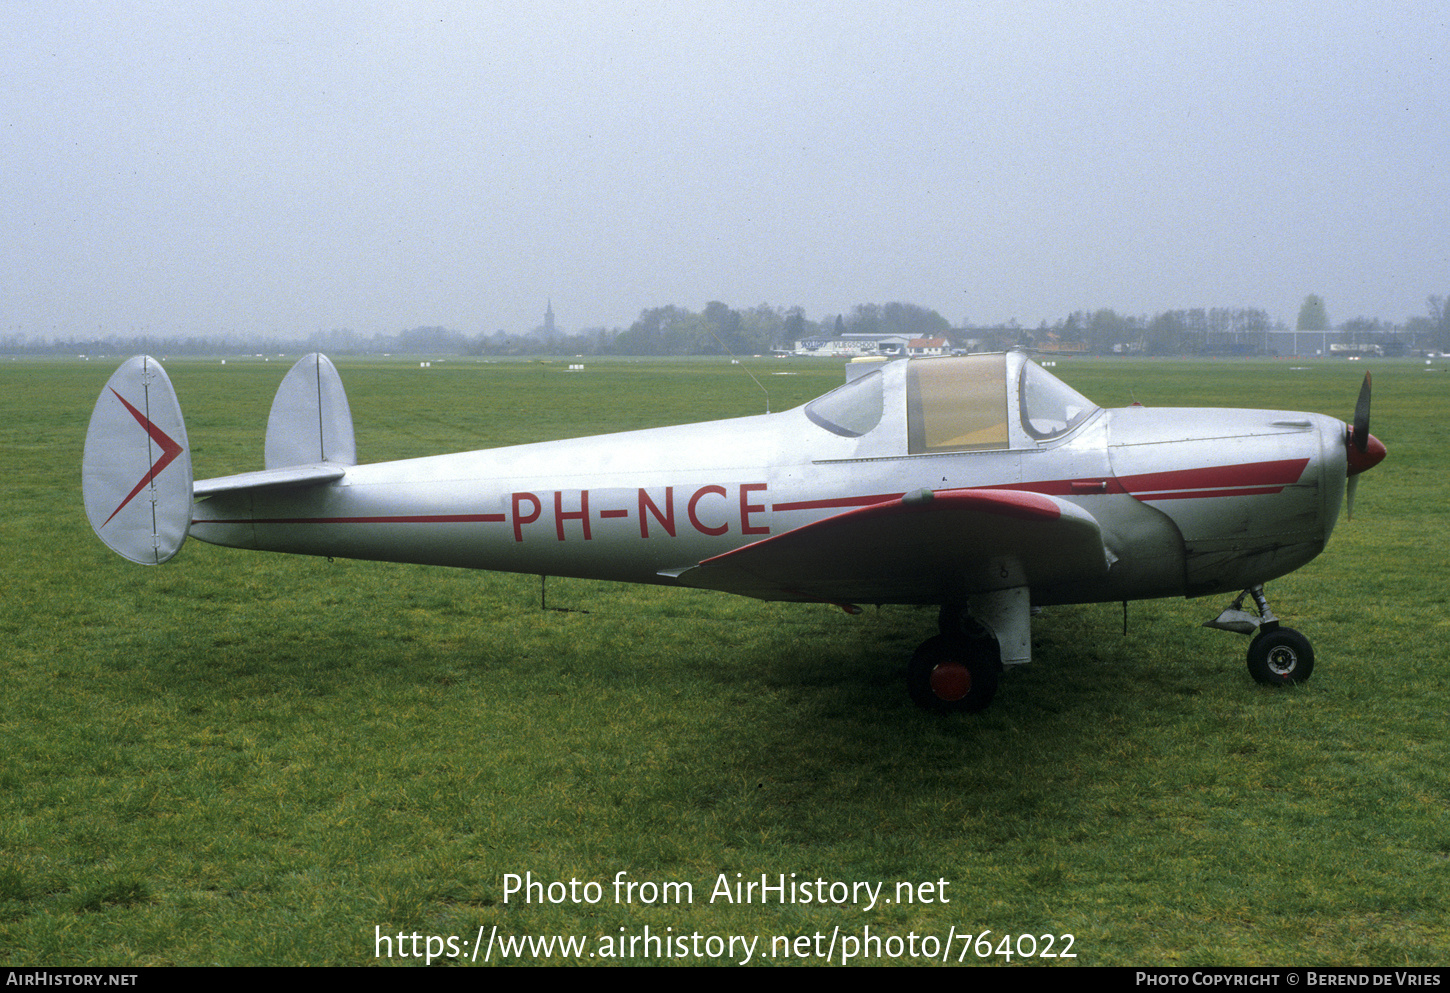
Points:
(1277, 655)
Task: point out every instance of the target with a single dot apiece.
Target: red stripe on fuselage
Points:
(1216, 480)
(414, 519)
(1246, 479)
(839, 502)
(1201, 494)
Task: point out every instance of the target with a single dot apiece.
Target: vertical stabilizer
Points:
(310, 421)
(136, 474)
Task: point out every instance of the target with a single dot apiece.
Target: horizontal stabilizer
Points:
(924, 547)
(136, 472)
(311, 421)
(295, 475)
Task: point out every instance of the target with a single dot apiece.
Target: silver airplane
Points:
(979, 484)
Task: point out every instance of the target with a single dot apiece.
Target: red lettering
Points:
(519, 522)
(747, 508)
(582, 514)
(694, 502)
(667, 519)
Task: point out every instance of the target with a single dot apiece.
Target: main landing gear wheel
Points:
(954, 675)
(1279, 656)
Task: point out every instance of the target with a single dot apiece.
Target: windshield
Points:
(851, 410)
(1049, 406)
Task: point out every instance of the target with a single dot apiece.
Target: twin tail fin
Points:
(136, 473)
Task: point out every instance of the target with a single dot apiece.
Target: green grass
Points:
(251, 759)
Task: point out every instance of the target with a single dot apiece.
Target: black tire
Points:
(976, 659)
(1280, 656)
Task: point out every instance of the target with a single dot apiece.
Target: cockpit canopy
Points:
(963, 403)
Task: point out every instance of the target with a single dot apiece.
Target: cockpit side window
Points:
(851, 410)
(1050, 408)
(956, 404)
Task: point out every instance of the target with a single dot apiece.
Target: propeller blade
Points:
(1362, 450)
(1361, 416)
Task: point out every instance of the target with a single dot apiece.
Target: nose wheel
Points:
(1277, 655)
(1280, 656)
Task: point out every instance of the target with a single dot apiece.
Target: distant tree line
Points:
(671, 330)
(720, 329)
(1197, 331)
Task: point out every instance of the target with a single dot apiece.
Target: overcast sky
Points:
(290, 167)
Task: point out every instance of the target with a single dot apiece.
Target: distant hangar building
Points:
(884, 345)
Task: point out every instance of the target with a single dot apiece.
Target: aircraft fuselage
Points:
(1190, 501)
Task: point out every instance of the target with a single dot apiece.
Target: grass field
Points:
(250, 759)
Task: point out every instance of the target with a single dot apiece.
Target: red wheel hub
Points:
(951, 681)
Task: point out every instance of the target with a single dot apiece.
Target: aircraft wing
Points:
(924, 547)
